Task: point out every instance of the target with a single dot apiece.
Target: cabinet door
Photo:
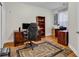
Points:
(60, 38)
(63, 38)
(18, 38)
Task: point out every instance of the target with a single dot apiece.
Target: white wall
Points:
(73, 36)
(3, 24)
(18, 13)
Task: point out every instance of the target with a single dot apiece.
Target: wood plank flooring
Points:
(47, 38)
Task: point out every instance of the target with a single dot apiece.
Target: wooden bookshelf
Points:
(41, 24)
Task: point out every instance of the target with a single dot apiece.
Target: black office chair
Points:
(32, 33)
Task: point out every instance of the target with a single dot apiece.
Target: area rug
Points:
(67, 52)
(45, 49)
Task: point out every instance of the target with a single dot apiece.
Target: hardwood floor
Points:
(47, 38)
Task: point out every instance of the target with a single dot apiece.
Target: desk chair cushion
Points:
(32, 31)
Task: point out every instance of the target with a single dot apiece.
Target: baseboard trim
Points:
(75, 51)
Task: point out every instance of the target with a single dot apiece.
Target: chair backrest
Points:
(32, 31)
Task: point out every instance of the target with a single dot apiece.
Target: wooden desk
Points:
(18, 38)
(63, 37)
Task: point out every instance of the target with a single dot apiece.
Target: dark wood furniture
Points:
(63, 37)
(56, 32)
(41, 24)
(18, 38)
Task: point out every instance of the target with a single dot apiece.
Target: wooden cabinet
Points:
(41, 25)
(63, 37)
(18, 38)
(55, 32)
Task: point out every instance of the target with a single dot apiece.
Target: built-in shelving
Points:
(41, 24)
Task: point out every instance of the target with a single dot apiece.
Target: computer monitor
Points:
(25, 25)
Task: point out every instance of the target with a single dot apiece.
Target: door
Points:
(73, 13)
(0, 26)
(78, 27)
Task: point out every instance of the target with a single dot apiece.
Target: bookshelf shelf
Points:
(41, 23)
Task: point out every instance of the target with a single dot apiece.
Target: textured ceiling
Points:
(49, 5)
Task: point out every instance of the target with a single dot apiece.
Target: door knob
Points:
(77, 32)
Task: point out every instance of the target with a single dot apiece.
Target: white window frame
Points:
(63, 18)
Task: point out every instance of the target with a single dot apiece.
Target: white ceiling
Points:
(49, 5)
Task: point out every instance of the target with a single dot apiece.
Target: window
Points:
(63, 18)
(56, 19)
